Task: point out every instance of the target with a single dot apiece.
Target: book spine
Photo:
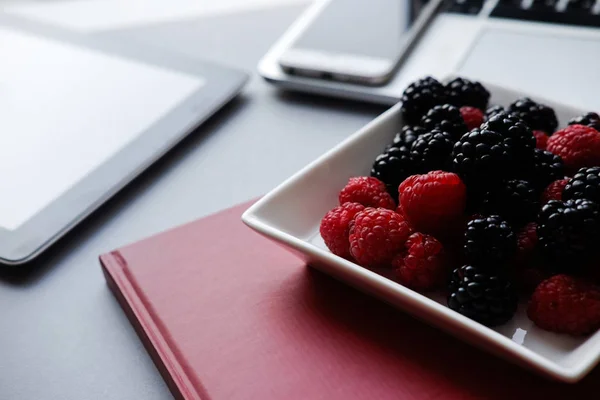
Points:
(114, 269)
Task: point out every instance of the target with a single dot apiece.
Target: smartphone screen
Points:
(353, 38)
(366, 27)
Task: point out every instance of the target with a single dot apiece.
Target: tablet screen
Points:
(64, 110)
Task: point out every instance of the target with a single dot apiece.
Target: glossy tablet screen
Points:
(65, 110)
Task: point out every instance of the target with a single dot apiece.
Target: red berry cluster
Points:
(404, 240)
(363, 228)
(419, 233)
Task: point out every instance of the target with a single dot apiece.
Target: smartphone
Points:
(358, 41)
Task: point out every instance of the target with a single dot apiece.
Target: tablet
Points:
(80, 118)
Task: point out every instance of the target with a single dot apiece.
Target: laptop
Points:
(549, 48)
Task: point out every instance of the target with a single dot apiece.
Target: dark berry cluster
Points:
(407, 136)
(462, 92)
(569, 232)
(537, 116)
(484, 199)
(489, 242)
(392, 167)
(545, 168)
(424, 94)
(515, 200)
(481, 157)
(493, 110)
(446, 118)
(590, 119)
(434, 123)
(420, 97)
(431, 151)
(585, 184)
(517, 135)
(484, 297)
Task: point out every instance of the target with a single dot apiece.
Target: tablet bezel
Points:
(221, 84)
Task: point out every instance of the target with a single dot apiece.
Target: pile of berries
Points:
(488, 204)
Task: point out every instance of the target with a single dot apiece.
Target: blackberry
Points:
(513, 129)
(392, 167)
(590, 119)
(537, 116)
(407, 136)
(486, 298)
(419, 97)
(462, 92)
(446, 118)
(432, 151)
(493, 110)
(516, 200)
(489, 241)
(585, 184)
(569, 231)
(545, 169)
(481, 156)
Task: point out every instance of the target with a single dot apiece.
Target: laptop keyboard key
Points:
(546, 5)
(470, 7)
(580, 4)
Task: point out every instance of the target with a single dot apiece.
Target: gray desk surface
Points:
(62, 334)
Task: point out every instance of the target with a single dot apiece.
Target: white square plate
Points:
(291, 214)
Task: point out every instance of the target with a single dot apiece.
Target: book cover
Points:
(227, 314)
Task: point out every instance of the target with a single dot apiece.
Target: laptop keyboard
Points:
(569, 12)
(573, 12)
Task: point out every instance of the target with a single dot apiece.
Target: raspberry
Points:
(400, 211)
(577, 145)
(472, 116)
(422, 265)
(526, 244)
(554, 190)
(335, 228)
(541, 139)
(377, 235)
(368, 191)
(564, 304)
(528, 272)
(433, 201)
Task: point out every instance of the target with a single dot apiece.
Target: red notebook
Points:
(226, 314)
